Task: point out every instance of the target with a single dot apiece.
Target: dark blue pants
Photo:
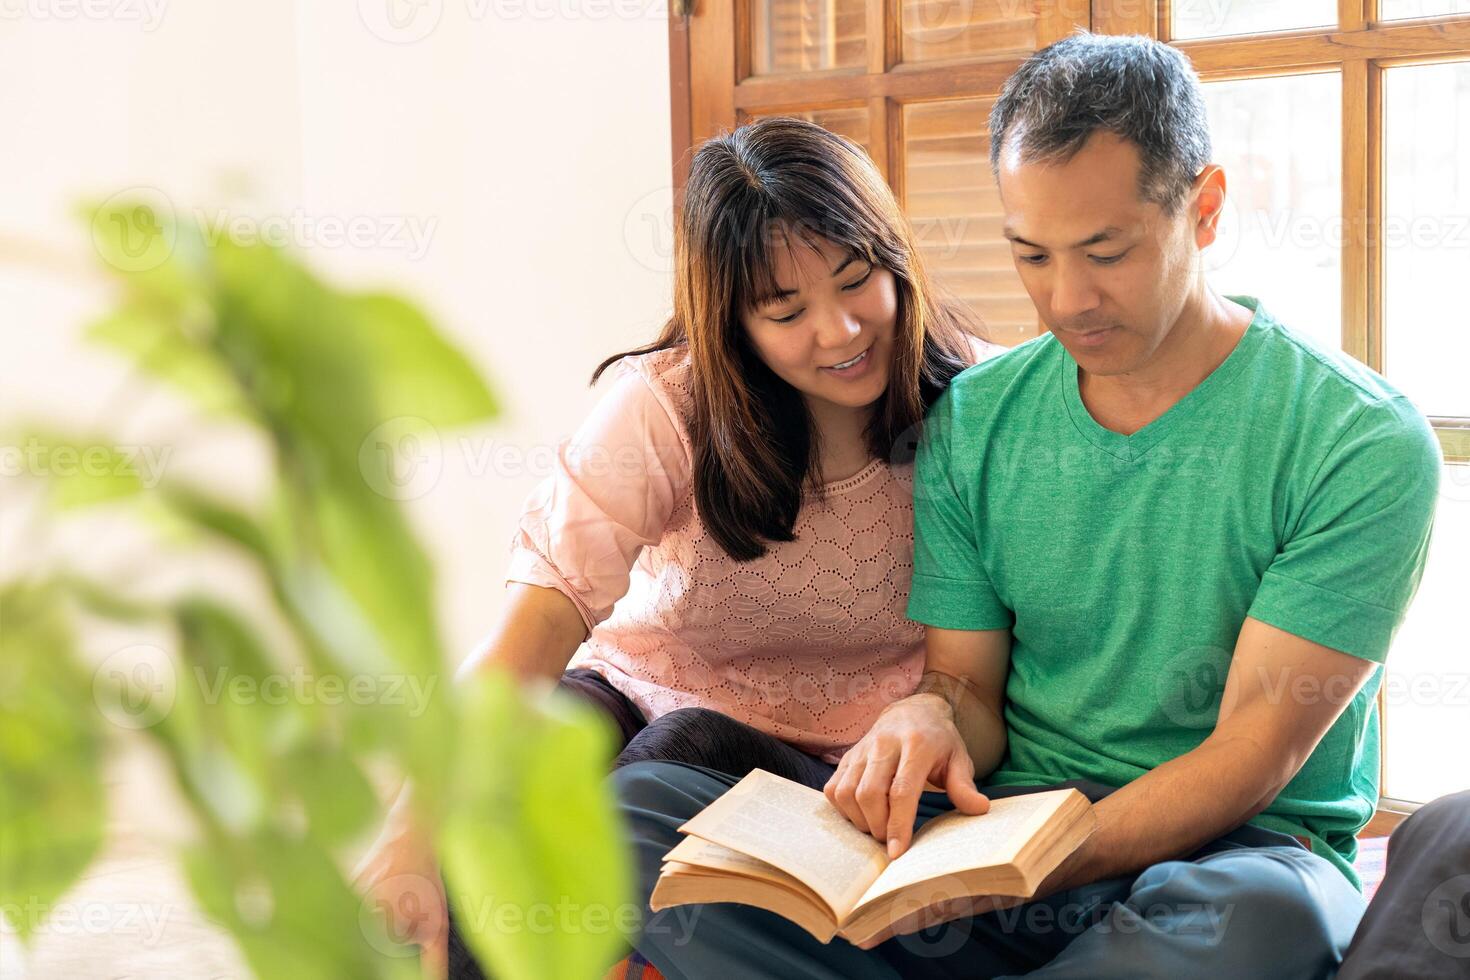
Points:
(1252, 904)
(696, 735)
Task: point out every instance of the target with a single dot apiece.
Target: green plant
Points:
(278, 787)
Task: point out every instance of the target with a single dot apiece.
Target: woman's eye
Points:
(859, 284)
(788, 318)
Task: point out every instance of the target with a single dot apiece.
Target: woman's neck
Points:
(842, 433)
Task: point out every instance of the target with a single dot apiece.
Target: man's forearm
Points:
(981, 727)
(1258, 746)
(1174, 809)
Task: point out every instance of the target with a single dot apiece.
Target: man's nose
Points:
(1072, 294)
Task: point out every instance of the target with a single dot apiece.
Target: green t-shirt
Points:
(1291, 485)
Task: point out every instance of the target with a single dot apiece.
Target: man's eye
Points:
(1108, 259)
(1033, 259)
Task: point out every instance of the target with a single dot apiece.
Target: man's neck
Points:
(1205, 333)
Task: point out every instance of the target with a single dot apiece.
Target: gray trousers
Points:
(1418, 926)
(1253, 904)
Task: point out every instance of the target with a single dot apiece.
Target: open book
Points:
(781, 846)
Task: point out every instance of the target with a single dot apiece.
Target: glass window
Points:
(852, 123)
(807, 35)
(1402, 9)
(1426, 234)
(937, 29)
(1426, 686)
(954, 207)
(1279, 140)
(1191, 19)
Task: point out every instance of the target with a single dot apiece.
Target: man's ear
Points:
(1208, 194)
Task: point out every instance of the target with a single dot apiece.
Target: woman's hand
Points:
(399, 879)
(878, 782)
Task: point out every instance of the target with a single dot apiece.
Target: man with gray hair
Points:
(1160, 552)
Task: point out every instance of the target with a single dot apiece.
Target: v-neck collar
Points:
(1133, 447)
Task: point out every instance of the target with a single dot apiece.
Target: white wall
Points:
(523, 145)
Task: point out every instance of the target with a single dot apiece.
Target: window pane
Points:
(807, 35)
(1427, 683)
(852, 123)
(937, 29)
(1401, 9)
(1213, 18)
(1279, 140)
(954, 207)
(1426, 234)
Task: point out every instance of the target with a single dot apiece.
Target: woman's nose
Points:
(837, 328)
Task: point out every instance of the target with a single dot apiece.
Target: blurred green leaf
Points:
(416, 372)
(81, 471)
(225, 520)
(291, 910)
(535, 858)
(51, 795)
(164, 260)
(337, 796)
(162, 349)
(324, 371)
(335, 380)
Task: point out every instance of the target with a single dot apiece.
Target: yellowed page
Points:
(696, 889)
(699, 855)
(794, 828)
(956, 842)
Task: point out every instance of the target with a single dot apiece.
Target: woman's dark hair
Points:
(751, 192)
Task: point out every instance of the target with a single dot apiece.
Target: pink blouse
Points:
(807, 643)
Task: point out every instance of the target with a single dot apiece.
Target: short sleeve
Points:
(951, 589)
(614, 485)
(1348, 569)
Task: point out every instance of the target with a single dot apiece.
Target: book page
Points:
(698, 855)
(796, 829)
(675, 887)
(955, 842)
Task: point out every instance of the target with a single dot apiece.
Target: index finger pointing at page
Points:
(903, 803)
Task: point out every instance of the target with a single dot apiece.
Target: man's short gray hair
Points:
(1134, 87)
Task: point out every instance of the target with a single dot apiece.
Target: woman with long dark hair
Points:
(753, 463)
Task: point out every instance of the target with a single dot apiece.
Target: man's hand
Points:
(878, 782)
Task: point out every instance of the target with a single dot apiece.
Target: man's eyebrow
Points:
(780, 294)
(1105, 235)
